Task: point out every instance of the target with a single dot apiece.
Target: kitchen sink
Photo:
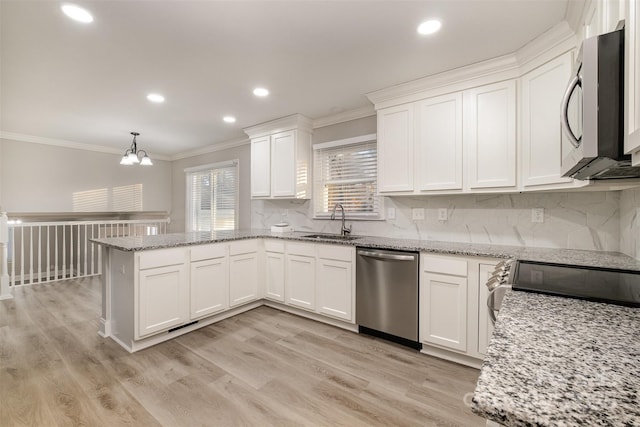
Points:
(330, 237)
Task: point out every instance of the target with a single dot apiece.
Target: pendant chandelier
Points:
(131, 156)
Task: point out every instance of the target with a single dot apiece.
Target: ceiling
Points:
(87, 83)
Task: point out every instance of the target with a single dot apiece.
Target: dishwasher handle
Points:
(386, 255)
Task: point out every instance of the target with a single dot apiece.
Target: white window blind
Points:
(346, 172)
(212, 197)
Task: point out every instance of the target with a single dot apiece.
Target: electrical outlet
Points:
(443, 214)
(537, 215)
(417, 213)
(391, 213)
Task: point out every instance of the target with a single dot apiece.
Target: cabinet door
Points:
(274, 263)
(243, 278)
(490, 135)
(443, 310)
(209, 287)
(163, 299)
(541, 135)
(439, 143)
(261, 167)
(395, 149)
(283, 164)
(300, 283)
(335, 288)
(485, 327)
(632, 62)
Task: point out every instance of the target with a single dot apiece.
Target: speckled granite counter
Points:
(561, 362)
(566, 256)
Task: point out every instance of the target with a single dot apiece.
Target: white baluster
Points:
(5, 290)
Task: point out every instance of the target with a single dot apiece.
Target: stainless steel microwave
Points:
(593, 111)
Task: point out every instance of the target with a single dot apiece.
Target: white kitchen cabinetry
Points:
(485, 327)
(395, 149)
(490, 135)
(300, 285)
(209, 277)
(540, 133)
(632, 81)
(274, 266)
(281, 158)
(261, 167)
(244, 277)
(443, 302)
(162, 297)
(439, 143)
(335, 279)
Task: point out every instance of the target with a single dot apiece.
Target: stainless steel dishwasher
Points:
(387, 294)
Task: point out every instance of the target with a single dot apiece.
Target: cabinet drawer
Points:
(243, 247)
(444, 265)
(202, 252)
(337, 252)
(162, 258)
(301, 249)
(274, 246)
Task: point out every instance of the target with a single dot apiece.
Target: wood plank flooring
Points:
(261, 368)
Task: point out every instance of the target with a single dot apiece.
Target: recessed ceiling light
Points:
(260, 91)
(229, 119)
(155, 97)
(429, 27)
(77, 13)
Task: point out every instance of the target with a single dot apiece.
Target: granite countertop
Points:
(561, 361)
(565, 256)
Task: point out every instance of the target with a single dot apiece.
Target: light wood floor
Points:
(260, 368)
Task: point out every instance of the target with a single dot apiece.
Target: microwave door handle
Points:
(576, 81)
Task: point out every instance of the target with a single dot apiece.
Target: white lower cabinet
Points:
(162, 297)
(274, 270)
(443, 302)
(335, 281)
(209, 277)
(454, 320)
(244, 279)
(300, 285)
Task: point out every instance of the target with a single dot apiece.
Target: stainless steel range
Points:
(606, 285)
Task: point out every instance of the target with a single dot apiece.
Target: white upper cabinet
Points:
(439, 143)
(632, 81)
(541, 139)
(281, 158)
(490, 135)
(395, 149)
(261, 167)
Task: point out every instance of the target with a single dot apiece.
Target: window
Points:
(346, 172)
(212, 197)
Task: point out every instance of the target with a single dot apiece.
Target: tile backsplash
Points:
(577, 220)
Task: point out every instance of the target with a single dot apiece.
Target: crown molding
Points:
(575, 13)
(559, 39)
(463, 75)
(211, 148)
(294, 121)
(550, 44)
(20, 137)
(345, 116)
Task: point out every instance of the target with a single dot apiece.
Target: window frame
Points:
(377, 216)
(210, 166)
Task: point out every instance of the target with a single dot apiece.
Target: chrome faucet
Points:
(344, 230)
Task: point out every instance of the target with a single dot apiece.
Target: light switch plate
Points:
(537, 215)
(443, 214)
(391, 213)
(417, 213)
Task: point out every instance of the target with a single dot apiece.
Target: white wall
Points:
(45, 178)
(178, 201)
